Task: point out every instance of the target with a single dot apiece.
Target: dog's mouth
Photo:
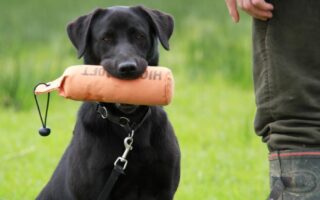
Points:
(126, 108)
(128, 69)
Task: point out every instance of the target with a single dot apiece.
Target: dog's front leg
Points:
(160, 195)
(164, 195)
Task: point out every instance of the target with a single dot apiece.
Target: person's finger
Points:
(262, 4)
(254, 11)
(262, 15)
(233, 11)
(240, 3)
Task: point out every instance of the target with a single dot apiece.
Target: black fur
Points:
(123, 40)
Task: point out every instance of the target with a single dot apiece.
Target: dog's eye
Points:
(108, 39)
(139, 36)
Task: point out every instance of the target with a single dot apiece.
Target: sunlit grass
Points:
(221, 156)
(212, 111)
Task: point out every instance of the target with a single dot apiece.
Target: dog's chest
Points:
(143, 156)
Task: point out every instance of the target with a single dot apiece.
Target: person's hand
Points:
(256, 8)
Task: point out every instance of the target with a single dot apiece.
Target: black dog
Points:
(123, 40)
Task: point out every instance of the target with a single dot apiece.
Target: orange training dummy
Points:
(93, 83)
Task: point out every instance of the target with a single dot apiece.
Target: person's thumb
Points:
(233, 11)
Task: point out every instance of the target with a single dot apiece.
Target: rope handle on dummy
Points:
(93, 83)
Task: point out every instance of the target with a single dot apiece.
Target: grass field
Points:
(212, 111)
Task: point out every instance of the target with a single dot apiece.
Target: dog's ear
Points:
(162, 22)
(78, 31)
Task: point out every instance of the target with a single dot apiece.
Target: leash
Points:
(121, 162)
(119, 166)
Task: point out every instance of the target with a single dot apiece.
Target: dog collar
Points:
(122, 121)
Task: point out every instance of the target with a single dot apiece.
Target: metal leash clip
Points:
(128, 141)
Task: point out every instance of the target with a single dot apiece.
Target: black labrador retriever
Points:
(124, 40)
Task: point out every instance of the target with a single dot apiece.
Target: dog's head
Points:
(121, 39)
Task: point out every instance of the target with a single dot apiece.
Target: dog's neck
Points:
(112, 110)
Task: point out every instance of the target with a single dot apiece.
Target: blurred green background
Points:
(212, 111)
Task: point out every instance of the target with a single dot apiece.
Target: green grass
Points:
(212, 111)
(221, 156)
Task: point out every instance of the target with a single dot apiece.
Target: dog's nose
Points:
(127, 67)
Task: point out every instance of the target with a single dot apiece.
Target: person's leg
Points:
(287, 75)
(287, 88)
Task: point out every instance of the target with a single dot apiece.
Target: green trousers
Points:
(286, 71)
